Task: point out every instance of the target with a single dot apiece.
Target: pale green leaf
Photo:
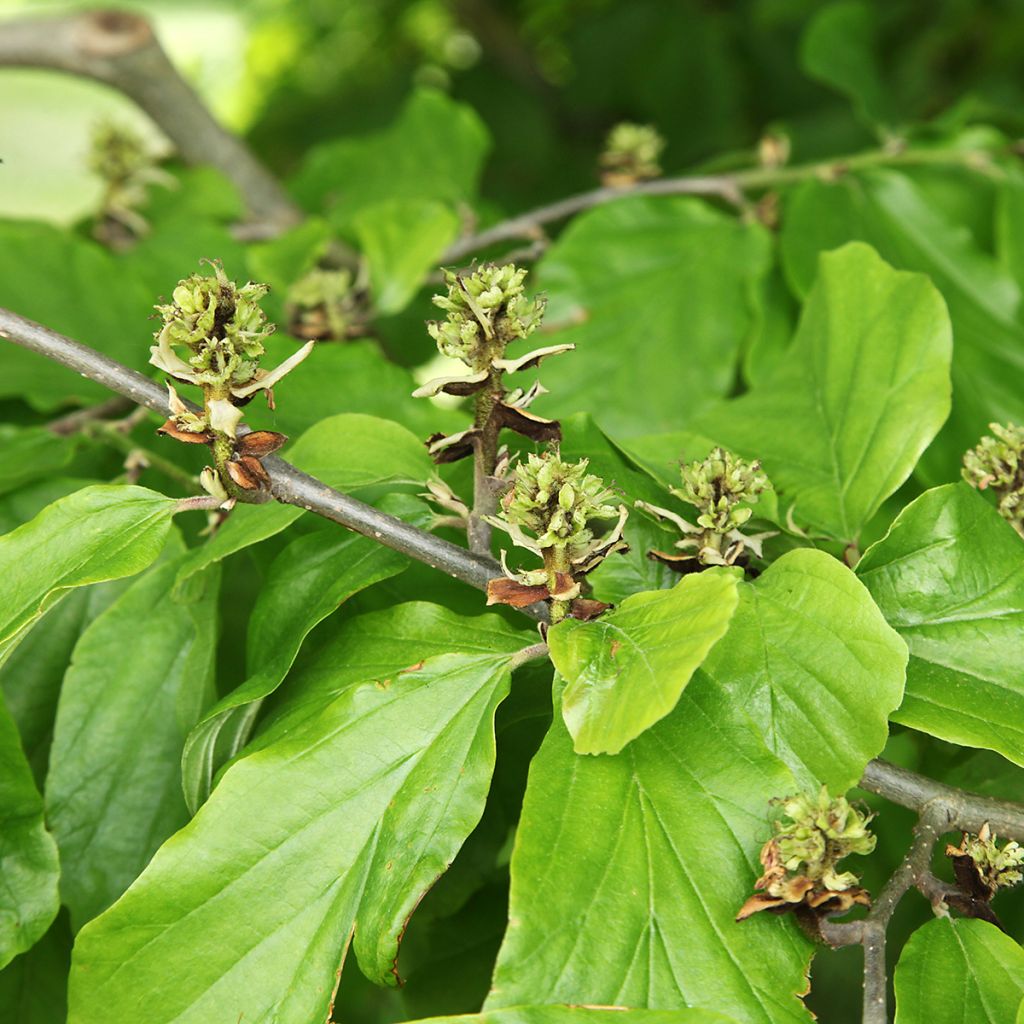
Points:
(626, 670)
(139, 679)
(99, 533)
(656, 296)
(863, 390)
(628, 871)
(949, 576)
(346, 821)
(812, 662)
(959, 972)
(581, 1015)
(402, 239)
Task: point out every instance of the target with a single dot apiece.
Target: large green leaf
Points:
(656, 295)
(28, 854)
(99, 533)
(345, 822)
(812, 662)
(891, 212)
(865, 387)
(626, 670)
(34, 987)
(28, 453)
(434, 149)
(139, 679)
(949, 576)
(74, 286)
(402, 239)
(581, 1015)
(959, 972)
(311, 577)
(628, 871)
(351, 452)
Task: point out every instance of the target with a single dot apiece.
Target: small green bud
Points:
(486, 310)
(998, 463)
(631, 153)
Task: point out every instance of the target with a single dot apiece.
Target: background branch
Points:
(119, 49)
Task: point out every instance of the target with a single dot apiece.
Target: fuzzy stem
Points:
(556, 561)
(485, 459)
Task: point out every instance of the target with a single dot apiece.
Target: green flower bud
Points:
(631, 153)
(998, 463)
(998, 867)
(486, 310)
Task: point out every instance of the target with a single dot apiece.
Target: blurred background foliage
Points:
(321, 89)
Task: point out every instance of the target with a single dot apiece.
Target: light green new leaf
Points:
(626, 670)
(949, 576)
(581, 1015)
(838, 49)
(28, 854)
(434, 149)
(99, 533)
(402, 239)
(656, 296)
(628, 871)
(893, 214)
(349, 452)
(812, 662)
(346, 821)
(139, 679)
(311, 577)
(863, 390)
(959, 972)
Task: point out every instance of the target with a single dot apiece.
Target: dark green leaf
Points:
(949, 576)
(583, 1015)
(34, 987)
(28, 453)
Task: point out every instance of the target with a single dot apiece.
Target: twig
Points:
(73, 422)
(120, 49)
(288, 484)
(730, 187)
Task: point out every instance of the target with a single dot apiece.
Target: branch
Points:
(730, 187)
(288, 484)
(119, 49)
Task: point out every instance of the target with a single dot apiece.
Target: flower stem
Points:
(485, 459)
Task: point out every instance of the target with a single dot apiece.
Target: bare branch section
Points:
(288, 484)
(119, 49)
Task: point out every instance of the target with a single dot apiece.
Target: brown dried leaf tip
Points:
(800, 859)
(981, 868)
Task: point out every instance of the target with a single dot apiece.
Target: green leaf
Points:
(99, 533)
(626, 670)
(139, 679)
(402, 239)
(434, 149)
(814, 665)
(864, 388)
(949, 576)
(581, 1015)
(888, 210)
(311, 577)
(838, 49)
(28, 896)
(628, 871)
(346, 821)
(110, 318)
(349, 452)
(657, 296)
(29, 453)
(34, 987)
(959, 972)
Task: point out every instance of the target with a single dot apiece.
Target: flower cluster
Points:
(323, 305)
(486, 311)
(800, 860)
(220, 329)
(552, 509)
(631, 154)
(120, 158)
(722, 488)
(983, 867)
(998, 463)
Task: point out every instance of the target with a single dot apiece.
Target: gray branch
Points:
(288, 484)
(119, 49)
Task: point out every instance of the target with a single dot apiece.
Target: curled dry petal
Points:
(537, 428)
(461, 385)
(249, 474)
(265, 381)
(224, 416)
(171, 429)
(451, 447)
(531, 359)
(511, 592)
(163, 356)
